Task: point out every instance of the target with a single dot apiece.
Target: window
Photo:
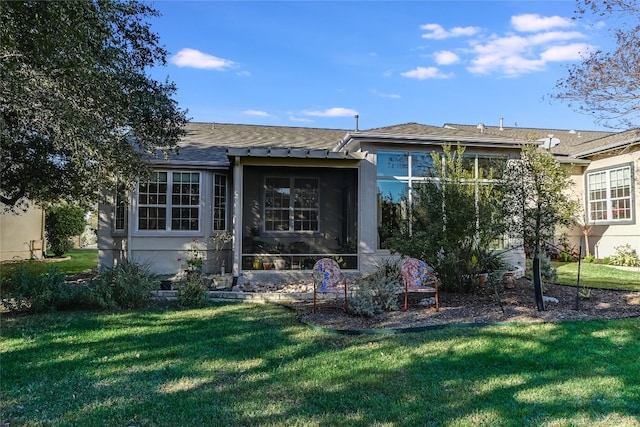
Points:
(120, 210)
(609, 195)
(169, 201)
(291, 204)
(400, 173)
(219, 202)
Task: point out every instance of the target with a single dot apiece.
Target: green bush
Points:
(127, 285)
(625, 256)
(30, 292)
(589, 259)
(378, 292)
(193, 293)
(63, 222)
(566, 257)
(548, 273)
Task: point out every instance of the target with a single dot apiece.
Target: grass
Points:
(598, 276)
(256, 365)
(79, 260)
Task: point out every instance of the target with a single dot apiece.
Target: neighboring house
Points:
(288, 195)
(22, 234)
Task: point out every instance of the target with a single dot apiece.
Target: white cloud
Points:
(243, 74)
(332, 112)
(423, 73)
(570, 52)
(256, 113)
(385, 95)
(515, 55)
(532, 22)
(446, 57)
(437, 32)
(194, 58)
(300, 119)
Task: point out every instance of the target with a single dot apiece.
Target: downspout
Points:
(236, 218)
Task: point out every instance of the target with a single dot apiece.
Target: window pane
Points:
(421, 164)
(393, 163)
(491, 167)
(219, 202)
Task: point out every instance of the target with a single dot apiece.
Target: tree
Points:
(61, 223)
(77, 108)
(536, 202)
(607, 84)
(453, 220)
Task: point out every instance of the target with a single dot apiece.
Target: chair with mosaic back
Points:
(418, 277)
(328, 278)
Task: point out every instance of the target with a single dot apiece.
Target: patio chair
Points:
(328, 278)
(418, 277)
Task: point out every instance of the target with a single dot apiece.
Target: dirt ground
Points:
(483, 307)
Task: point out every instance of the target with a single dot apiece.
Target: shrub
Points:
(589, 259)
(63, 222)
(127, 285)
(193, 293)
(625, 256)
(31, 292)
(566, 257)
(606, 260)
(548, 274)
(378, 292)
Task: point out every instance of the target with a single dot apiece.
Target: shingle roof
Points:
(247, 136)
(578, 143)
(572, 142)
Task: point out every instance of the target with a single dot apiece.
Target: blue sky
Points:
(317, 64)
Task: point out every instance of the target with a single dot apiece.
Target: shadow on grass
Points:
(232, 364)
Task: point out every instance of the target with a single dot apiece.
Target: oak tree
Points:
(77, 105)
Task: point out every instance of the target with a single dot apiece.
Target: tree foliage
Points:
(537, 200)
(77, 106)
(454, 219)
(607, 84)
(537, 197)
(63, 222)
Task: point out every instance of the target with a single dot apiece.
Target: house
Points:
(291, 195)
(22, 234)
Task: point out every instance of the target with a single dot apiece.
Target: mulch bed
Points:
(483, 307)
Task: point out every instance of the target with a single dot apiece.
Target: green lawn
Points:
(598, 276)
(256, 365)
(79, 261)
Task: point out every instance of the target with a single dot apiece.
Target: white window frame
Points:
(219, 198)
(292, 212)
(600, 210)
(169, 205)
